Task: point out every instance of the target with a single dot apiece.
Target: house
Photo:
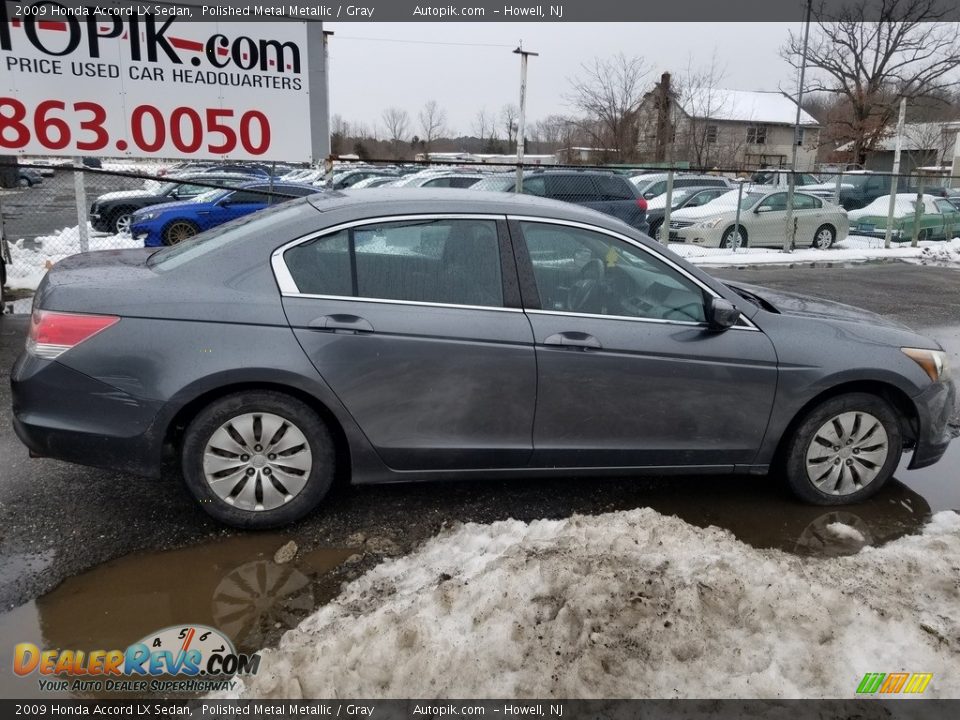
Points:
(727, 129)
(923, 145)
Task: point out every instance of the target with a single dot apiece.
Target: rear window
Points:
(571, 188)
(615, 188)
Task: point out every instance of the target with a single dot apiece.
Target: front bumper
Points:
(935, 405)
(147, 233)
(704, 237)
(61, 413)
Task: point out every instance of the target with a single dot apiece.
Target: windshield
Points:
(679, 195)
(209, 196)
(264, 223)
(500, 184)
(730, 199)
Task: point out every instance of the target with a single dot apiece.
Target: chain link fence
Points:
(714, 216)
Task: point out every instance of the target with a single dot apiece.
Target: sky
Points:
(371, 69)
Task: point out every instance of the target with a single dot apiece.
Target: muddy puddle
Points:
(233, 585)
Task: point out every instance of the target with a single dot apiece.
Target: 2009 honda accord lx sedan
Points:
(389, 335)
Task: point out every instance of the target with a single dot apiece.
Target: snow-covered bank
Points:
(629, 604)
(853, 249)
(29, 265)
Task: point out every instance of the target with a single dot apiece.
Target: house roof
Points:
(772, 108)
(916, 136)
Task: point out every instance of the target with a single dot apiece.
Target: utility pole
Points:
(789, 230)
(896, 171)
(521, 129)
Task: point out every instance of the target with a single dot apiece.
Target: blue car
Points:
(171, 223)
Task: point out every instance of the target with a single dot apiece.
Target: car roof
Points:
(382, 201)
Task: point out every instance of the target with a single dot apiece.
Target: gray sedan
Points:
(388, 335)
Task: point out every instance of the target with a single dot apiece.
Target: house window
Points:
(712, 134)
(756, 135)
(800, 136)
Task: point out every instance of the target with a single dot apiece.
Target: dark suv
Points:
(604, 191)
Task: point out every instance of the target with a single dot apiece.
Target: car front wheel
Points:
(844, 450)
(178, 231)
(258, 459)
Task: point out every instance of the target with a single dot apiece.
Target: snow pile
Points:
(29, 262)
(855, 248)
(628, 604)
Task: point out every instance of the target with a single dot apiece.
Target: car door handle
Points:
(574, 341)
(341, 323)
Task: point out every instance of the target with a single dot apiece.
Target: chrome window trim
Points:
(415, 303)
(667, 261)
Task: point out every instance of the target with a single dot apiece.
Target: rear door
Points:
(416, 325)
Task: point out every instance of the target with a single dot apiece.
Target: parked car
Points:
(860, 188)
(346, 179)
(445, 334)
(685, 197)
(652, 185)
(28, 177)
(372, 182)
(443, 180)
(762, 221)
(781, 178)
(113, 211)
(939, 218)
(172, 223)
(607, 192)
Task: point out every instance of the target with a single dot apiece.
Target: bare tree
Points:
(483, 126)
(339, 130)
(397, 123)
(907, 52)
(608, 94)
(433, 122)
(509, 116)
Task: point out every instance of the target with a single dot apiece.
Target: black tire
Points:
(655, 228)
(795, 456)
(24, 182)
(727, 240)
(117, 218)
(825, 228)
(202, 428)
(172, 234)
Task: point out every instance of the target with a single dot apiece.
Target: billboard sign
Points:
(152, 84)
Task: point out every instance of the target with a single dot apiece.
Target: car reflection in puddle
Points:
(233, 585)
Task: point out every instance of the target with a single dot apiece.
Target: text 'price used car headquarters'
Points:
(176, 89)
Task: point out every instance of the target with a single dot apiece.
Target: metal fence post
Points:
(917, 214)
(789, 239)
(736, 220)
(80, 191)
(665, 225)
(836, 188)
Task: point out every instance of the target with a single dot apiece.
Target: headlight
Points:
(933, 362)
(145, 216)
(711, 223)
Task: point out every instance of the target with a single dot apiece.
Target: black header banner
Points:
(473, 10)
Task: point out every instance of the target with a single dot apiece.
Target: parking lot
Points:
(60, 520)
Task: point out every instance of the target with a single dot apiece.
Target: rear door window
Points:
(571, 188)
(614, 188)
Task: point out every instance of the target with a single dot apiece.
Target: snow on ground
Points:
(855, 248)
(628, 604)
(29, 264)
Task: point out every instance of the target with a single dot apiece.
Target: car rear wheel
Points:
(178, 231)
(258, 459)
(733, 239)
(844, 450)
(24, 182)
(824, 237)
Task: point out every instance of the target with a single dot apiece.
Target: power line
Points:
(422, 42)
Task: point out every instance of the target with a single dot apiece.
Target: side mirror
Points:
(721, 314)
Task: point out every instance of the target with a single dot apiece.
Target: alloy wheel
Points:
(257, 461)
(178, 232)
(847, 453)
(122, 224)
(824, 238)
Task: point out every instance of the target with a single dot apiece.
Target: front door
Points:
(416, 325)
(629, 372)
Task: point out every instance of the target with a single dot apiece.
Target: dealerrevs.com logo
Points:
(57, 31)
(180, 658)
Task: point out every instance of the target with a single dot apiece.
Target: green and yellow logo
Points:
(892, 683)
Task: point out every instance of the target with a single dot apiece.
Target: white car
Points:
(762, 221)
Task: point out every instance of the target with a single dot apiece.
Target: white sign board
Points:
(152, 85)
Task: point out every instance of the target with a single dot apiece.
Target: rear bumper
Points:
(63, 414)
(934, 407)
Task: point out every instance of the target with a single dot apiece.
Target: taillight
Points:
(642, 203)
(53, 333)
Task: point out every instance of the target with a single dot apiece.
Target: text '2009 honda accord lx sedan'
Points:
(389, 335)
